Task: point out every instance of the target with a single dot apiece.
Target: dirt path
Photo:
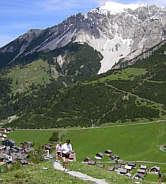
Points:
(79, 175)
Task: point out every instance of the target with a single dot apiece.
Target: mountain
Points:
(129, 94)
(43, 72)
(121, 32)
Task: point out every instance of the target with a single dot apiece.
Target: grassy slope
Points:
(35, 175)
(131, 142)
(33, 73)
(36, 136)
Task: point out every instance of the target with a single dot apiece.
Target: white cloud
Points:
(150, 2)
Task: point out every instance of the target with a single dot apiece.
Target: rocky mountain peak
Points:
(117, 31)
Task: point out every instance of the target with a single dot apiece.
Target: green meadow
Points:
(130, 142)
(39, 137)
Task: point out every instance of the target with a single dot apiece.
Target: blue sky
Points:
(18, 16)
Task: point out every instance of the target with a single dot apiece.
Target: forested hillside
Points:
(118, 95)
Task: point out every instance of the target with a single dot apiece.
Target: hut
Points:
(141, 171)
(111, 168)
(129, 168)
(99, 156)
(144, 167)
(154, 170)
(122, 171)
(122, 163)
(23, 162)
(87, 159)
(10, 143)
(133, 164)
(138, 176)
(108, 152)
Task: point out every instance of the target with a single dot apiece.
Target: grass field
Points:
(35, 174)
(39, 137)
(131, 142)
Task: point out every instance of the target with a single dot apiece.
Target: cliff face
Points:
(116, 35)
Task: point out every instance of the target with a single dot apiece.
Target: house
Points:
(138, 176)
(114, 157)
(122, 163)
(2, 158)
(154, 170)
(3, 136)
(2, 149)
(117, 166)
(8, 143)
(1, 129)
(87, 159)
(128, 174)
(122, 171)
(129, 168)
(133, 164)
(99, 156)
(27, 144)
(111, 168)
(141, 171)
(108, 152)
(8, 130)
(144, 167)
(23, 162)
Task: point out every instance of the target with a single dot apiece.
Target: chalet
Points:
(144, 167)
(99, 156)
(128, 174)
(122, 163)
(129, 168)
(23, 162)
(3, 136)
(8, 143)
(2, 149)
(87, 159)
(2, 129)
(8, 130)
(154, 170)
(138, 176)
(117, 166)
(2, 158)
(133, 164)
(108, 152)
(114, 157)
(141, 171)
(122, 171)
(27, 144)
(111, 168)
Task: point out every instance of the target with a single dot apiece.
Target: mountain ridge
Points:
(122, 35)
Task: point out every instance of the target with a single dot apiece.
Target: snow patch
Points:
(114, 7)
(111, 49)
